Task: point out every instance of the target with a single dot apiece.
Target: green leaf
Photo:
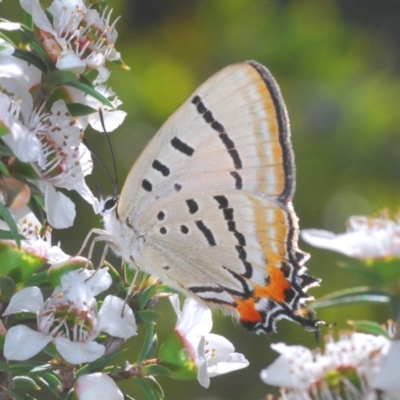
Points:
(387, 270)
(3, 168)
(99, 364)
(36, 206)
(3, 129)
(6, 152)
(31, 38)
(353, 295)
(363, 270)
(52, 380)
(25, 383)
(7, 288)
(27, 367)
(146, 316)
(116, 278)
(60, 78)
(18, 395)
(147, 344)
(9, 220)
(19, 368)
(38, 279)
(58, 270)
(24, 171)
(157, 390)
(52, 383)
(145, 296)
(155, 369)
(175, 356)
(164, 288)
(31, 58)
(79, 110)
(17, 263)
(130, 274)
(40, 368)
(146, 388)
(7, 235)
(369, 327)
(6, 38)
(91, 91)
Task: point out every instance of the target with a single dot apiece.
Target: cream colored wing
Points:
(210, 199)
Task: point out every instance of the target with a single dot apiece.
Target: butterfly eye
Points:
(109, 204)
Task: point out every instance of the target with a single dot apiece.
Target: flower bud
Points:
(57, 270)
(178, 355)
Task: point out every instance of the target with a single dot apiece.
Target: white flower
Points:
(213, 354)
(347, 368)
(76, 37)
(97, 386)
(38, 240)
(16, 108)
(366, 238)
(51, 142)
(387, 378)
(69, 318)
(112, 117)
(12, 67)
(64, 161)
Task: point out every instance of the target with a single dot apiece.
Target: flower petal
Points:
(69, 61)
(23, 343)
(97, 386)
(201, 363)
(91, 282)
(222, 357)
(388, 376)
(78, 352)
(282, 372)
(196, 319)
(112, 120)
(111, 320)
(60, 209)
(29, 299)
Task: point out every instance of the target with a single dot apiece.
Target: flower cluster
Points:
(356, 366)
(69, 318)
(53, 87)
(204, 353)
(57, 308)
(47, 102)
(366, 238)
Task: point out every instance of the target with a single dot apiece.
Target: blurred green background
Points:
(337, 63)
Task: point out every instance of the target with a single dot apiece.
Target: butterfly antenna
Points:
(106, 170)
(99, 187)
(115, 180)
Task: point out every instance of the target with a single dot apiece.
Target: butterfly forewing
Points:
(209, 199)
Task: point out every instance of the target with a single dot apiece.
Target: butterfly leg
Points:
(103, 256)
(128, 294)
(97, 231)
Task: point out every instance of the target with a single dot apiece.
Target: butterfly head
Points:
(108, 205)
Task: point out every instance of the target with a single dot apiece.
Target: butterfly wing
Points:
(210, 200)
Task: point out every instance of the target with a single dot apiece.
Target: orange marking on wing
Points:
(275, 251)
(277, 286)
(247, 310)
(272, 136)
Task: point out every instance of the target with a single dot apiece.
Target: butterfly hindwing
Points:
(209, 201)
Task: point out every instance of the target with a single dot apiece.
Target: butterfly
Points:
(207, 205)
